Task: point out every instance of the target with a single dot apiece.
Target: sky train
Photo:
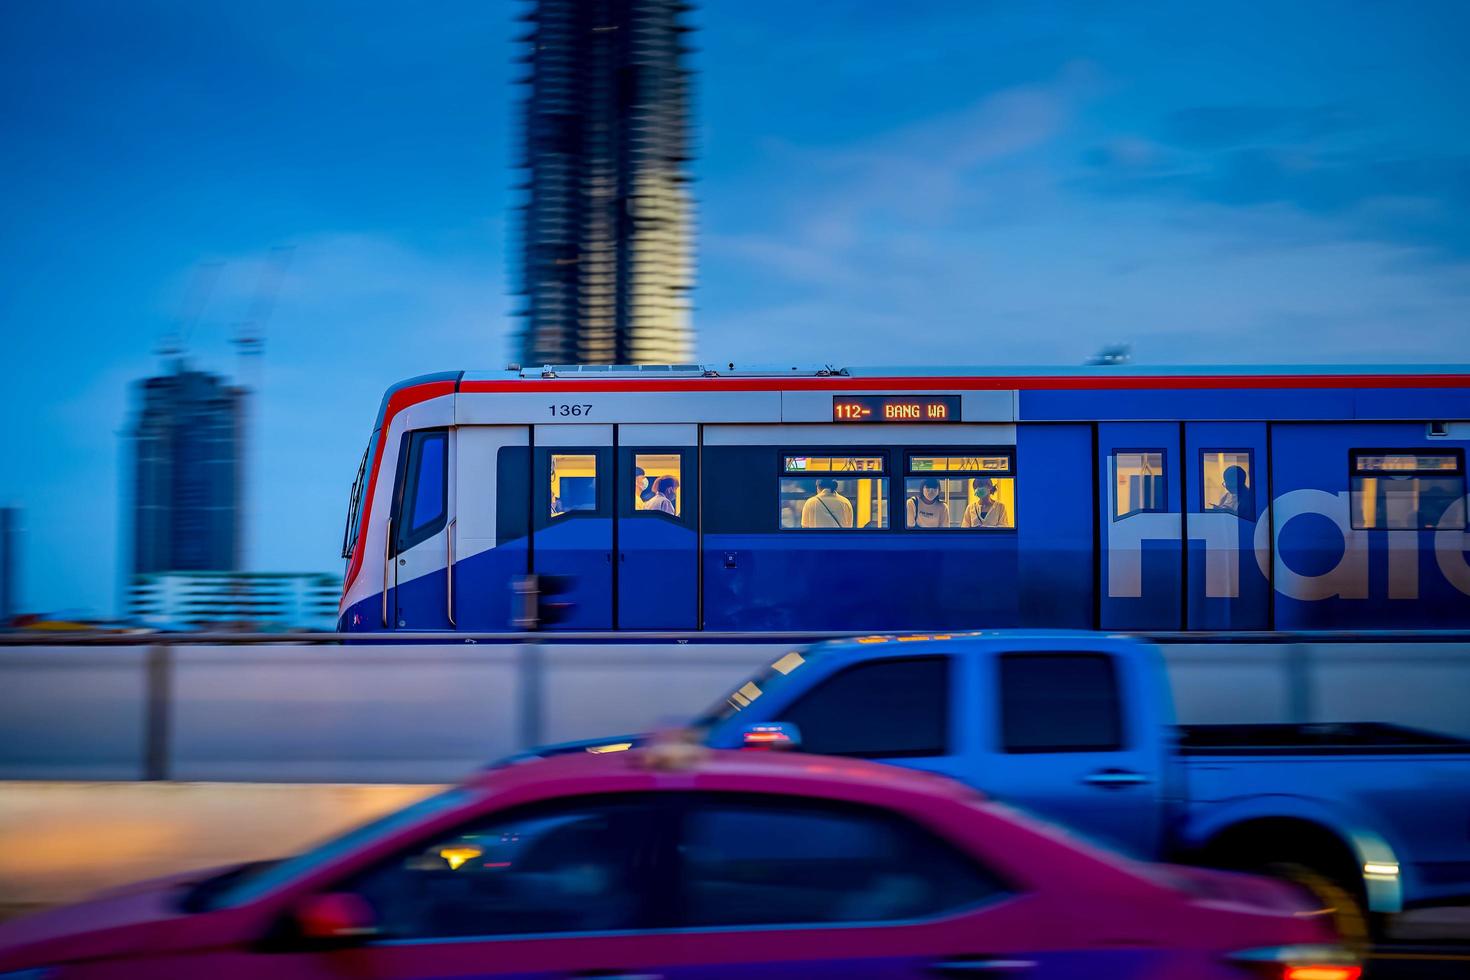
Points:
(688, 498)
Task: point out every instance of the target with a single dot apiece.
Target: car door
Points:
(1059, 743)
(553, 890)
(792, 888)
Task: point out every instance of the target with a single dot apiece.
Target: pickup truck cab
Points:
(1079, 727)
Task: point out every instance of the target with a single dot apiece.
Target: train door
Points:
(1227, 490)
(572, 518)
(657, 493)
(1142, 558)
(489, 533)
(418, 544)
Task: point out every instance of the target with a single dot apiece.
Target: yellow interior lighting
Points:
(456, 856)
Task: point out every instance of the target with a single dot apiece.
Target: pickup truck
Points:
(1079, 727)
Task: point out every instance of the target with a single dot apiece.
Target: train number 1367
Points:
(562, 409)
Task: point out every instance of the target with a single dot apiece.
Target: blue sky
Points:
(877, 183)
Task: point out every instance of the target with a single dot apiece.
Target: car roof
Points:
(973, 640)
(755, 771)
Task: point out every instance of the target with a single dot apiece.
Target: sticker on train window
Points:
(833, 464)
(987, 463)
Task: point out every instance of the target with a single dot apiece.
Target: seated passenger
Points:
(1237, 493)
(985, 510)
(828, 508)
(926, 509)
(664, 490)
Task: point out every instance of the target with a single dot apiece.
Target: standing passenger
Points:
(985, 510)
(926, 509)
(640, 488)
(828, 508)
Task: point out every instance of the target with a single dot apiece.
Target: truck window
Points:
(878, 709)
(1059, 702)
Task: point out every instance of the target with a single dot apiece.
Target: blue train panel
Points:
(1138, 501)
(1227, 489)
(1055, 522)
(880, 581)
(1369, 521)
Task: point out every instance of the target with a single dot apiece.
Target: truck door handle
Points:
(981, 966)
(1115, 778)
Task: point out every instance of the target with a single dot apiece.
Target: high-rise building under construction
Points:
(607, 256)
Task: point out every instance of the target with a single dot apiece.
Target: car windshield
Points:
(242, 886)
(762, 682)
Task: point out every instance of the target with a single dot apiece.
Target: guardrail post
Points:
(1299, 699)
(157, 708)
(532, 696)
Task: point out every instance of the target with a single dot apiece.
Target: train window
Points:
(573, 483)
(1404, 490)
(354, 506)
(974, 492)
(423, 490)
(1229, 484)
(840, 500)
(658, 485)
(1138, 483)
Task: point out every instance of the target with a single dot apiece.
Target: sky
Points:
(877, 183)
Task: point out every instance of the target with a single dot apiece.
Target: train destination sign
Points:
(895, 408)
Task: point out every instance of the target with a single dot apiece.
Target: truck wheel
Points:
(1343, 903)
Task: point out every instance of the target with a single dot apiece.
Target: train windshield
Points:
(762, 682)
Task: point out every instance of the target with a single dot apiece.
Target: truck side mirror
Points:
(770, 735)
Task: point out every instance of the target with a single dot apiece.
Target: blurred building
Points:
(9, 565)
(185, 473)
(607, 252)
(255, 601)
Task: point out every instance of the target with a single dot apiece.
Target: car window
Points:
(563, 868)
(779, 861)
(882, 708)
(1059, 702)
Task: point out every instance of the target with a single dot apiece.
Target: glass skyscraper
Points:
(186, 472)
(607, 253)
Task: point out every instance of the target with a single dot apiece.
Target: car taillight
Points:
(1300, 963)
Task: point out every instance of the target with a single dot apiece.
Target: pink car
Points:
(674, 862)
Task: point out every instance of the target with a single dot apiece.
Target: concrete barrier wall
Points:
(428, 713)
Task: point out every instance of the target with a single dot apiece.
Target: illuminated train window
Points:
(974, 492)
(842, 493)
(1138, 484)
(1404, 490)
(1228, 483)
(573, 483)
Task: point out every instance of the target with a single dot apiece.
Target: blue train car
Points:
(681, 499)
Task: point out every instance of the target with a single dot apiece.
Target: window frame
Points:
(600, 489)
(626, 509)
(885, 474)
(404, 537)
(1458, 452)
(355, 500)
(1113, 455)
(1250, 462)
(1009, 473)
(1123, 740)
(687, 804)
(951, 739)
